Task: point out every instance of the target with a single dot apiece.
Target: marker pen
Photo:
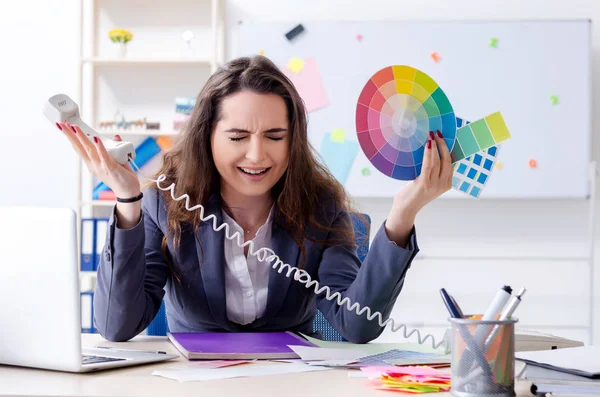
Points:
(506, 314)
(492, 313)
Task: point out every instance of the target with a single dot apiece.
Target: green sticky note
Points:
(366, 172)
(494, 42)
(338, 135)
(554, 99)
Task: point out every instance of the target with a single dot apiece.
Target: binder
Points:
(87, 312)
(93, 238)
(88, 252)
(101, 228)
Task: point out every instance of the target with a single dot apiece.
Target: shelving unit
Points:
(154, 64)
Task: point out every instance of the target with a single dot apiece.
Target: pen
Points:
(129, 350)
(451, 305)
(473, 347)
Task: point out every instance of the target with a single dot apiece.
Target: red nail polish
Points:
(429, 144)
(431, 135)
(59, 127)
(96, 139)
(439, 134)
(73, 128)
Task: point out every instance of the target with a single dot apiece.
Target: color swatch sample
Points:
(338, 156)
(472, 173)
(309, 84)
(396, 109)
(479, 135)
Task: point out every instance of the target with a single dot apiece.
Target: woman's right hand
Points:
(119, 177)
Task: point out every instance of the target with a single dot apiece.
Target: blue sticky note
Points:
(472, 173)
(462, 168)
(338, 156)
(465, 186)
(492, 151)
(475, 191)
(482, 178)
(488, 164)
(477, 159)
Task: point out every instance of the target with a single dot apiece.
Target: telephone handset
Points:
(60, 107)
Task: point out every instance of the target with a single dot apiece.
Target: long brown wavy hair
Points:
(299, 193)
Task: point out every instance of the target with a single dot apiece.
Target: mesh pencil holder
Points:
(483, 357)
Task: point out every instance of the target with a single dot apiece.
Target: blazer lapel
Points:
(211, 256)
(288, 251)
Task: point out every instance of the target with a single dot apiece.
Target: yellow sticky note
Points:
(262, 52)
(296, 65)
(338, 135)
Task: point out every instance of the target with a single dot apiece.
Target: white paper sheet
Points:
(247, 370)
(307, 353)
(584, 358)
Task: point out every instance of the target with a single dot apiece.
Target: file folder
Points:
(88, 252)
(87, 312)
(101, 228)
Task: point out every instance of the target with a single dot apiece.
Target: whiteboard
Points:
(530, 62)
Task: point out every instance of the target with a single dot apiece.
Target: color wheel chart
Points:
(396, 109)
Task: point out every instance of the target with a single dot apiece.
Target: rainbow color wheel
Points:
(396, 109)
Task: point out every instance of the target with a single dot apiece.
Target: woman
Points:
(246, 158)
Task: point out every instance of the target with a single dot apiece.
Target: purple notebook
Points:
(236, 345)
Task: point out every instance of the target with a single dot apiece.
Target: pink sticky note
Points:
(309, 85)
(359, 37)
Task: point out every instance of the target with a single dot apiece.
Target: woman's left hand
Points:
(434, 180)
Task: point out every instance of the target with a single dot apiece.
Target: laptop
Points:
(40, 315)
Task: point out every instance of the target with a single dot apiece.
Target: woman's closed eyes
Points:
(270, 137)
(275, 134)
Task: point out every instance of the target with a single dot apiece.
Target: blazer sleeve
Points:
(376, 283)
(132, 273)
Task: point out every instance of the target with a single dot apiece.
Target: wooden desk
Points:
(138, 381)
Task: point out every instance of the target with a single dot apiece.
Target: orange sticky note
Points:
(532, 163)
(435, 56)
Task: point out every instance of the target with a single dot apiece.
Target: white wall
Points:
(459, 250)
(39, 42)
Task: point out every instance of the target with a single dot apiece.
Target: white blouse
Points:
(246, 279)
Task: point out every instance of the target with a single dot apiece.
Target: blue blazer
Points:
(134, 277)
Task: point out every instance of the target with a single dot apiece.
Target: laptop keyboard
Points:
(89, 359)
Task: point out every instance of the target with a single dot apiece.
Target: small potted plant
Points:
(121, 37)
